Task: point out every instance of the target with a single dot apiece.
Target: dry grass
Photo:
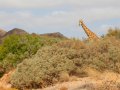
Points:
(1, 88)
(63, 88)
(106, 81)
(64, 77)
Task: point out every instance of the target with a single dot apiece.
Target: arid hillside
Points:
(15, 31)
(2, 32)
(31, 61)
(54, 35)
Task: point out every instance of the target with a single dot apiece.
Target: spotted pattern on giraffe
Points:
(89, 33)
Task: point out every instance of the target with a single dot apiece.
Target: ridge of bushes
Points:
(15, 48)
(71, 57)
(43, 61)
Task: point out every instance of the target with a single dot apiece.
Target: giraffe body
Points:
(90, 34)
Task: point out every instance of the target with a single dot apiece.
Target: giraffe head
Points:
(80, 22)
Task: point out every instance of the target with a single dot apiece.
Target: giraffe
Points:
(90, 34)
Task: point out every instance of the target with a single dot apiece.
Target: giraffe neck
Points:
(89, 33)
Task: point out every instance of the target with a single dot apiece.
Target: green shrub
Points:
(41, 69)
(15, 48)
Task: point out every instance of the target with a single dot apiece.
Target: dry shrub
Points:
(40, 70)
(64, 77)
(73, 43)
(72, 57)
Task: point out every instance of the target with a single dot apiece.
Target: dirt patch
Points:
(4, 81)
(95, 81)
(105, 81)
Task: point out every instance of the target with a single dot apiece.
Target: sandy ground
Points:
(95, 81)
(4, 81)
(109, 81)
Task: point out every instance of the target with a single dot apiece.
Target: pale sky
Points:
(47, 16)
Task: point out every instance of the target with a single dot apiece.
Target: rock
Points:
(2, 32)
(54, 35)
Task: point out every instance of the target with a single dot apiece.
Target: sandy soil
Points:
(108, 81)
(95, 81)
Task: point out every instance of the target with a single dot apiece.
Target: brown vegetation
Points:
(50, 62)
(83, 64)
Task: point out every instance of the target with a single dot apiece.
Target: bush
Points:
(15, 48)
(47, 65)
(114, 32)
(41, 69)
